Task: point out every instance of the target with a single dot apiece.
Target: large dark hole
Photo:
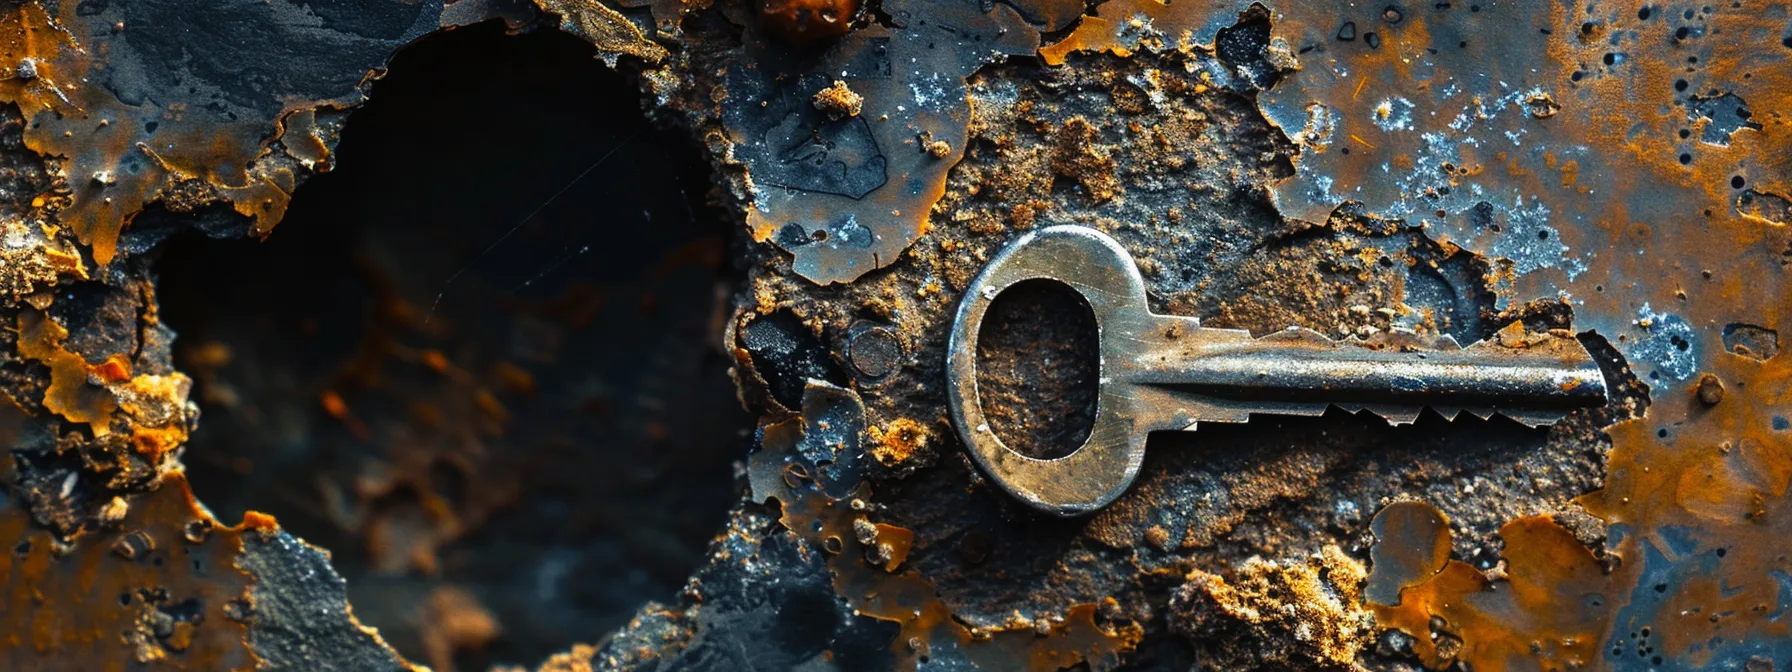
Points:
(486, 395)
(1038, 365)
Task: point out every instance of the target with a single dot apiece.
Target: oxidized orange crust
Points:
(158, 585)
(806, 23)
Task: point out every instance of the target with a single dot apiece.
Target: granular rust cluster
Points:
(1451, 168)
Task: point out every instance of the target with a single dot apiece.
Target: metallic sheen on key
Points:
(1162, 372)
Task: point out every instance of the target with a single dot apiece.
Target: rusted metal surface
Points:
(1445, 168)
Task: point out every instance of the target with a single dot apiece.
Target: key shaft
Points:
(1547, 372)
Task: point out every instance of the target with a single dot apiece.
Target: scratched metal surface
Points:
(1619, 171)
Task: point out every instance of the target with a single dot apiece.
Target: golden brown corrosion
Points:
(32, 258)
(158, 585)
(899, 441)
(112, 174)
(839, 101)
(1719, 475)
(668, 15)
(604, 27)
(1120, 28)
(1319, 600)
(1631, 171)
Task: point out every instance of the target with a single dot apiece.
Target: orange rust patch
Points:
(31, 41)
(256, 520)
(299, 135)
(1115, 28)
(154, 442)
(143, 591)
(1704, 489)
(64, 261)
(32, 258)
(1546, 608)
(69, 394)
(158, 411)
(807, 22)
(115, 369)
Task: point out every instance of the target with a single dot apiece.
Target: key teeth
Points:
(1534, 418)
(1406, 415)
(1397, 415)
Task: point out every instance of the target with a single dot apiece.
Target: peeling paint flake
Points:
(140, 97)
(847, 196)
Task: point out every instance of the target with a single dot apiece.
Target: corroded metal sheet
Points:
(1613, 171)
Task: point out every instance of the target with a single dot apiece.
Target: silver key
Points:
(1162, 372)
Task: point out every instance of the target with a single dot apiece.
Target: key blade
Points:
(1209, 409)
(1534, 379)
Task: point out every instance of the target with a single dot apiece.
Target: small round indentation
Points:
(1711, 390)
(875, 352)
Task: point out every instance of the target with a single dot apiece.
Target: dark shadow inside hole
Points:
(1038, 364)
(456, 397)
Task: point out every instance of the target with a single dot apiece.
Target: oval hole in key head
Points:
(1095, 473)
(1038, 368)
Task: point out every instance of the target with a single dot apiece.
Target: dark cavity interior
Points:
(484, 378)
